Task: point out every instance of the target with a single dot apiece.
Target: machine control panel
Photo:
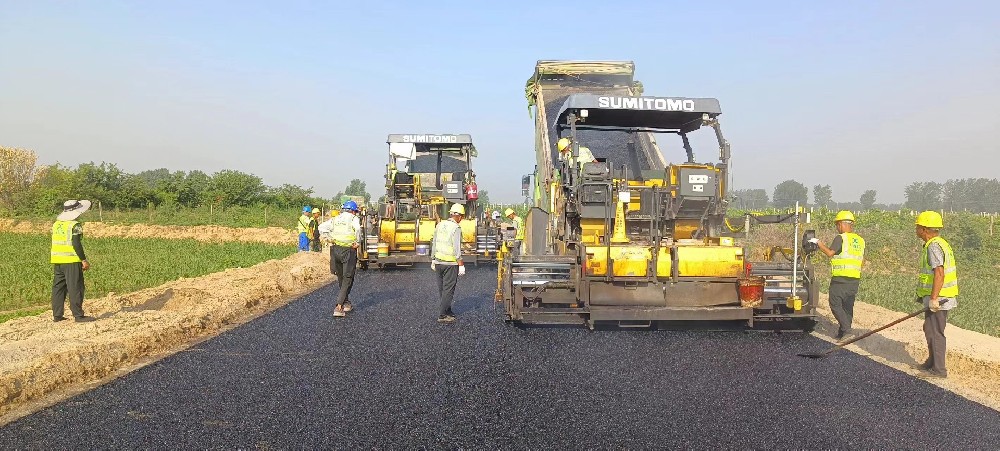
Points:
(697, 182)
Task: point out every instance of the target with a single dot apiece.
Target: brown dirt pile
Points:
(215, 234)
(973, 358)
(39, 358)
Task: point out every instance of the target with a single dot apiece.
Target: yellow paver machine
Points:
(628, 238)
(426, 174)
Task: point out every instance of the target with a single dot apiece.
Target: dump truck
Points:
(631, 238)
(426, 173)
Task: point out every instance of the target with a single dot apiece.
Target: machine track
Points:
(389, 376)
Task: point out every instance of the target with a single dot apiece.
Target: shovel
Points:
(823, 354)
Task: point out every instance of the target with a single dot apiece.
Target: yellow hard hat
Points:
(315, 210)
(508, 212)
(844, 215)
(930, 219)
(457, 209)
(563, 144)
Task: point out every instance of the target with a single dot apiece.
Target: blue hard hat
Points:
(350, 205)
(306, 209)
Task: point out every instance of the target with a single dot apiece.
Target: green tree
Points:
(822, 195)
(788, 192)
(484, 198)
(193, 189)
(750, 199)
(288, 195)
(357, 188)
(232, 187)
(923, 196)
(17, 172)
(868, 199)
(52, 186)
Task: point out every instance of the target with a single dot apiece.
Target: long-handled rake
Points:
(823, 354)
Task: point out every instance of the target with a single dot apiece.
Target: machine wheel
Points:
(364, 266)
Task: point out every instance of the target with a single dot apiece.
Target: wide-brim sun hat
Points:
(72, 209)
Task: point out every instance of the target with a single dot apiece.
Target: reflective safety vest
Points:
(519, 228)
(444, 244)
(949, 287)
(304, 223)
(343, 232)
(62, 242)
(852, 253)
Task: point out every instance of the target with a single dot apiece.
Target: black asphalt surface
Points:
(390, 376)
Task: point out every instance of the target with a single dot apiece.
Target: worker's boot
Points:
(347, 306)
(928, 364)
(339, 311)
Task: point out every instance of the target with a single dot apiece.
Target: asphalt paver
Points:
(390, 376)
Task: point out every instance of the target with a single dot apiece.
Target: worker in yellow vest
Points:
(446, 252)
(518, 228)
(344, 231)
(847, 254)
(303, 228)
(69, 261)
(937, 289)
(585, 155)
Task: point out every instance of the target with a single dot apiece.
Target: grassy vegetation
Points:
(230, 217)
(892, 259)
(119, 265)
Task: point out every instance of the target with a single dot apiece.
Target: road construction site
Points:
(624, 309)
(390, 376)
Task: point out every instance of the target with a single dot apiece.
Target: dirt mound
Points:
(973, 358)
(39, 358)
(215, 234)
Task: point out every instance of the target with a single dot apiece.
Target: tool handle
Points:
(911, 315)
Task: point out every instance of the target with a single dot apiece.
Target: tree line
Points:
(972, 195)
(29, 189)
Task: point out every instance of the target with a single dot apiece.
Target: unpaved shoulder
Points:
(41, 359)
(973, 358)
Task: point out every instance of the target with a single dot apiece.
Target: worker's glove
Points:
(814, 240)
(433, 267)
(934, 305)
(461, 270)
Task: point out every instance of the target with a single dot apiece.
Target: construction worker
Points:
(585, 156)
(446, 252)
(937, 289)
(303, 227)
(314, 239)
(518, 228)
(847, 254)
(344, 231)
(69, 261)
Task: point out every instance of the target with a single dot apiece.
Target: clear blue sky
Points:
(856, 94)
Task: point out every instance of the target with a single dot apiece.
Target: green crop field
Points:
(119, 265)
(892, 260)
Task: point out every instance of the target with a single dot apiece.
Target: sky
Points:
(855, 94)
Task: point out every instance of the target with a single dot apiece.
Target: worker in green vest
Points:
(446, 252)
(847, 254)
(69, 261)
(345, 233)
(518, 228)
(303, 228)
(937, 289)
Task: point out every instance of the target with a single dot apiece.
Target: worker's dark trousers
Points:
(67, 279)
(343, 263)
(447, 278)
(937, 344)
(843, 290)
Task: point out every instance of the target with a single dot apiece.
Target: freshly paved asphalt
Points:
(389, 376)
